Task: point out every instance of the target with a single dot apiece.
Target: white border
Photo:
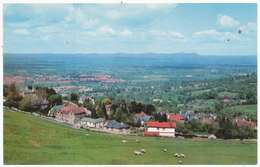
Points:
(115, 2)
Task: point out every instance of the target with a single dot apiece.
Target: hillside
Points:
(28, 140)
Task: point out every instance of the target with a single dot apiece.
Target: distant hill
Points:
(132, 59)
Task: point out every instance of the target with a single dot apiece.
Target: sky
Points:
(205, 29)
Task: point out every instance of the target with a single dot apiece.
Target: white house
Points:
(160, 129)
(91, 123)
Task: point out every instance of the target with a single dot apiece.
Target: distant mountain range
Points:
(135, 59)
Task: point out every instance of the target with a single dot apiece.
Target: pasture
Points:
(29, 140)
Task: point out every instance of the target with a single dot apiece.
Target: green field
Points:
(29, 140)
(244, 108)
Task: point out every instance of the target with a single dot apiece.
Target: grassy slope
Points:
(244, 108)
(28, 140)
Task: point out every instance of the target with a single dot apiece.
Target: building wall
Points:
(68, 117)
(163, 131)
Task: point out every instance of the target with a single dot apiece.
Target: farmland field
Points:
(252, 109)
(28, 140)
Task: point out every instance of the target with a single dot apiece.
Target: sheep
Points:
(179, 156)
(182, 156)
(138, 153)
(180, 161)
(143, 150)
(124, 141)
(176, 154)
(165, 150)
(137, 141)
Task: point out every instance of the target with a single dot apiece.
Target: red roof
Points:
(241, 123)
(151, 133)
(176, 117)
(74, 108)
(108, 106)
(206, 120)
(161, 124)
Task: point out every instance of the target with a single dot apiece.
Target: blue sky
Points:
(131, 28)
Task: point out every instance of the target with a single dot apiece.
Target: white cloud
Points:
(126, 33)
(89, 23)
(21, 31)
(212, 34)
(155, 6)
(107, 30)
(46, 29)
(249, 27)
(175, 36)
(113, 14)
(74, 14)
(227, 21)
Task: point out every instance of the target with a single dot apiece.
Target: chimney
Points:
(104, 118)
(142, 114)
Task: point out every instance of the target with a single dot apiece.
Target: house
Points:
(54, 109)
(175, 117)
(184, 117)
(82, 99)
(142, 117)
(26, 91)
(241, 123)
(213, 116)
(226, 100)
(160, 129)
(112, 126)
(70, 114)
(179, 105)
(192, 118)
(206, 120)
(91, 123)
(39, 103)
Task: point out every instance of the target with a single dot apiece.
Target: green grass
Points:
(227, 95)
(28, 140)
(244, 108)
(198, 92)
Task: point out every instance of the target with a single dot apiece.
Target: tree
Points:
(164, 117)
(25, 104)
(118, 114)
(180, 127)
(106, 101)
(102, 111)
(89, 106)
(93, 114)
(149, 109)
(55, 100)
(74, 97)
(140, 107)
(133, 107)
(41, 93)
(13, 93)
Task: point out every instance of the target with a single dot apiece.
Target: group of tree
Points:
(15, 99)
(160, 117)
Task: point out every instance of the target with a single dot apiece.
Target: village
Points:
(146, 122)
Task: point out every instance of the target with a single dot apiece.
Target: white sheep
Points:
(143, 150)
(165, 150)
(176, 154)
(124, 141)
(138, 153)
